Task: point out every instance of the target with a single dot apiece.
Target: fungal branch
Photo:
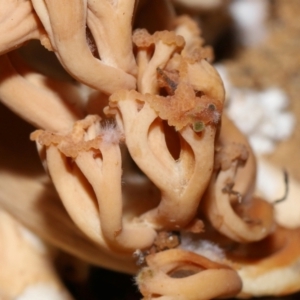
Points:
(194, 111)
(45, 97)
(85, 166)
(66, 29)
(175, 272)
(229, 202)
(164, 108)
(12, 34)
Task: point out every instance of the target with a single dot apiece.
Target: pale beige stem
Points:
(241, 222)
(19, 24)
(39, 208)
(76, 194)
(165, 45)
(86, 168)
(69, 93)
(245, 178)
(105, 178)
(147, 82)
(34, 101)
(179, 203)
(181, 182)
(67, 33)
(229, 202)
(136, 125)
(178, 275)
(111, 25)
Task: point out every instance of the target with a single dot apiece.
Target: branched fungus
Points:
(143, 172)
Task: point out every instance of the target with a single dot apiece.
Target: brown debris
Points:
(185, 108)
(142, 39)
(166, 240)
(168, 80)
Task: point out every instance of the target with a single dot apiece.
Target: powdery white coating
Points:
(110, 133)
(208, 249)
(250, 17)
(43, 291)
(262, 116)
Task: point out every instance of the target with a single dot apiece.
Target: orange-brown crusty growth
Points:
(185, 108)
(153, 52)
(196, 93)
(142, 39)
(72, 143)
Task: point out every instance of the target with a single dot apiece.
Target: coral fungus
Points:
(143, 171)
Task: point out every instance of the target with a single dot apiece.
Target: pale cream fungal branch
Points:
(35, 97)
(192, 174)
(153, 52)
(182, 180)
(18, 24)
(40, 208)
(229, 203)
(95, 166)
(110, 23)
(177, 274)
(66, 29)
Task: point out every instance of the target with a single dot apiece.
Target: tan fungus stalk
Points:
(177, 179)
(40, 209)
(161, 165)
(67, 32)
(19, 24)
(91, 155)
(231, 209)
(45, 106)
(177, 274)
